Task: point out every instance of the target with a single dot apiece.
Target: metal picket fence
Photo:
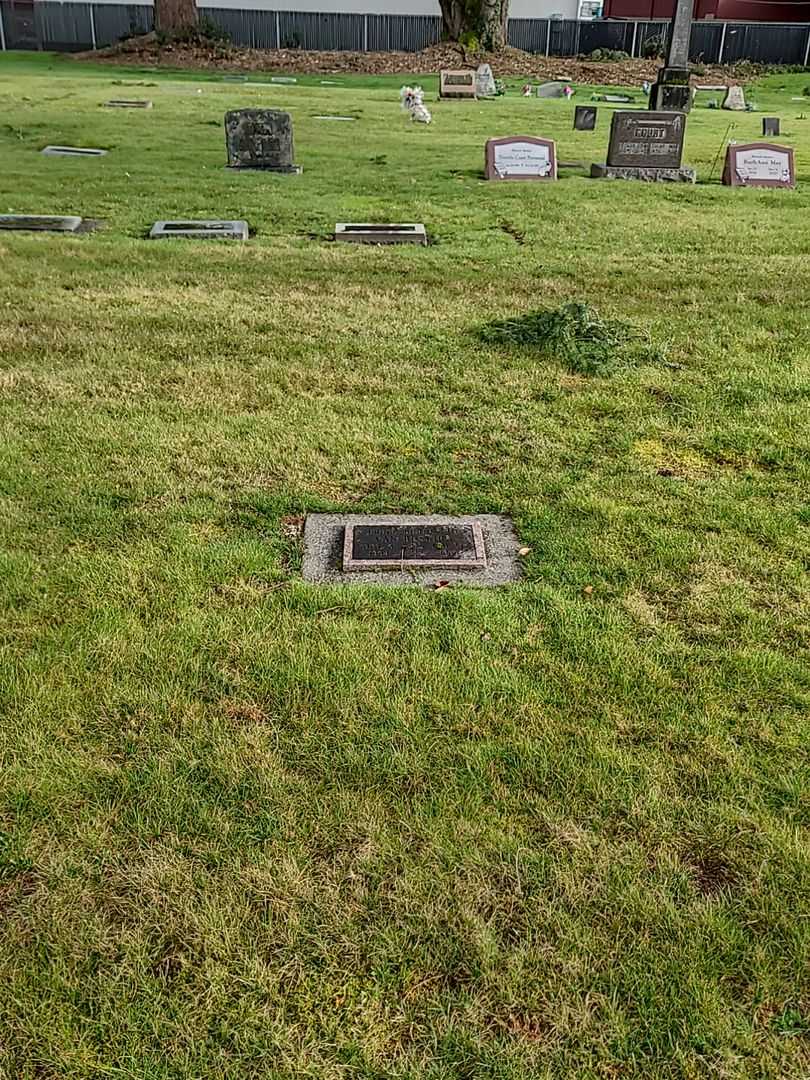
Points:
(69, 26)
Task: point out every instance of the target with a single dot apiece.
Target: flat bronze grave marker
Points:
(394, 547)
(200, 230)
(352, 232)
(72, 151)
(393, 550)
(40, 222)
(124, 103)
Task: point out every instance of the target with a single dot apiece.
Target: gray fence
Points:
(44, 24)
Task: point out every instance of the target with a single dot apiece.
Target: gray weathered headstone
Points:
(671, 89)
(551, 89)
(260, 139)
(645, 146)
(734, 99)
(770, 125)
(585, 117)
(484, 81)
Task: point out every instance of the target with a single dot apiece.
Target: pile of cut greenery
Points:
(576, 335)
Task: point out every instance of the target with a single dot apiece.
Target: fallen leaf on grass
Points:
(588, 590)
(440, 585)
(524, 551)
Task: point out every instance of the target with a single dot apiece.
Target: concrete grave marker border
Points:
(124, 103)
(72, 151)
(325, 543)
(40, 222)
(353, 232)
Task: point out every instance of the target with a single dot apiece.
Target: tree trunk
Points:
(494, 15)
(174, 15)
(484, 20)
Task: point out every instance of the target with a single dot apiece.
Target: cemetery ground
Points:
(251, 826)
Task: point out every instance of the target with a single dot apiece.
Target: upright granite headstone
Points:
(260, 139)
(584, 117)
(734, 99)
(770, 125)
(457, 84)
(521, 157)
(551, 89)
(484, 81)
(759, 164)
(671, 89)
(646, 146)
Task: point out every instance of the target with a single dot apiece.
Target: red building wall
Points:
(743, 10)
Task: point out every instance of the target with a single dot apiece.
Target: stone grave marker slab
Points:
(123, 103)
(380, 546)
(551, 89)
(410, 549)
(40, 222)
(200, 230)
(645, 145)
(585, 117)
(484, 81)
(260, 139)
(770, 125)
(734, 99)
(344, 118)
(759, 164)
(72, 151)
(457, 84)
(521, 157)
(352, 232)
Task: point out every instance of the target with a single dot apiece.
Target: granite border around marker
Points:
(324, 541)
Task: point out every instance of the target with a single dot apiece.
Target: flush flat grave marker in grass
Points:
(344, 118)
(40, 222)
(378, 546)
(410, 549)
(199, 230)
(123, 103)
(359, 233)
(72, 151)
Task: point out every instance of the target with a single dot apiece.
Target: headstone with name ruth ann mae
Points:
(759, 164)
(260, 139)
(646, 145)
(521, 157)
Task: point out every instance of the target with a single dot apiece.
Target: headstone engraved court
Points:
(645, 145)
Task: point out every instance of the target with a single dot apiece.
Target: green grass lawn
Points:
(253, 828)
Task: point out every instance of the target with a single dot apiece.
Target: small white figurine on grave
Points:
(411, 100)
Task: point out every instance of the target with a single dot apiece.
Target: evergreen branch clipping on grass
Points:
(577, 336)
